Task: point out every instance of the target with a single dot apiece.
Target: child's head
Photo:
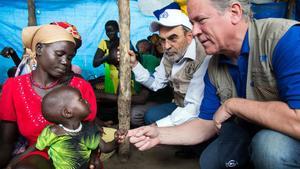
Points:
(143, 46)
(112, 29)
(63, 104)
(156, 41)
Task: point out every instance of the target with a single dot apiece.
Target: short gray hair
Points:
(222, 5)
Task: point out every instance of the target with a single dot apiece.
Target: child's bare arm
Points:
(107, 147)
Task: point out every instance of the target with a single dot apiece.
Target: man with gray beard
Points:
(183, 66)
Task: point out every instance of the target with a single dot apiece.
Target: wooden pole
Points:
(124, 99)
(31, 13)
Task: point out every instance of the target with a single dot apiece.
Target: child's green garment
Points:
(70, 151)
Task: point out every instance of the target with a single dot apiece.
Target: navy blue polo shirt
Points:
(286, 67)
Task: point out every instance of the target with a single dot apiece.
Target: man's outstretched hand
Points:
(144, 138)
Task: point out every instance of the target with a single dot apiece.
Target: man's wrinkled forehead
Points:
(167, 32)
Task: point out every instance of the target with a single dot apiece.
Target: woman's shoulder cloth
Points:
(19, 79)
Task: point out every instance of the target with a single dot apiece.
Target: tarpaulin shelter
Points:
(89, 16)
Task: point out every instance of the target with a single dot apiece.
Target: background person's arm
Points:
(10, 52)
(99, 57)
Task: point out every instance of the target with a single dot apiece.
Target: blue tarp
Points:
(270, 10)
(89, 16)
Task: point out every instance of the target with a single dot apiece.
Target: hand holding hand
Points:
(144, 137)
(120, 135)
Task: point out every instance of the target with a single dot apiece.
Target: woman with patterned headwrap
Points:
(28, 62)
(20, 102)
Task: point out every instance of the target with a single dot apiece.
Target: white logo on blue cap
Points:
(164, 15)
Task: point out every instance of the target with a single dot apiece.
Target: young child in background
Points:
(68, 139)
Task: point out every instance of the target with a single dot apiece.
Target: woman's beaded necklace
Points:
(51, 85)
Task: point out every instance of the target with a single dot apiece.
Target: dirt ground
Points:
(160, 157)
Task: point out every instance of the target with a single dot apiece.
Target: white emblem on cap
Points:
(164, 15)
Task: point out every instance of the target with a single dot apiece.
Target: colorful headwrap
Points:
(39, 34)
(33, 35)
(69, 27)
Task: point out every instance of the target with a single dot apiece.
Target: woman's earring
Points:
(34, 65)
